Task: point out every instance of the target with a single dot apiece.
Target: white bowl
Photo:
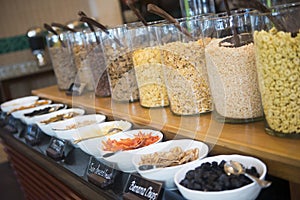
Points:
(93, 146)
(166, 175)
(90, 146)
(15, 103)
(30, 105)
(30, 120)
(47, 128)
(94, 130)
(97, 130)
(61, 128)
(121, 160)
(247, 192)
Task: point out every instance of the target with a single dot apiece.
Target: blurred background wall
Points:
(17, 16)
(18, 71)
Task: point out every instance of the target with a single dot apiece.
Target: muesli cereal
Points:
(122, 76)
(84, 73)
(63, 66)
(90, 62)
(186, 78)
(96, 62)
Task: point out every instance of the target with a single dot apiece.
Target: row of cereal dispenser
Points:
(195, 73)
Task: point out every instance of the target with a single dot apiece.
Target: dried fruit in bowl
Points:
(139, 140)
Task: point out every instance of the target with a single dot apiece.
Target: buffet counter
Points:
(281, 155)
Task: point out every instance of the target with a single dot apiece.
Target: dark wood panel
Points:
(62, 181)
(41, 177)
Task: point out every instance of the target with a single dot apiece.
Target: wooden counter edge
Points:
(278, 165)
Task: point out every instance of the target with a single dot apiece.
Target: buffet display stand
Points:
(281, 155)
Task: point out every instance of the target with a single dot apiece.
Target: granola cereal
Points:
(90, 63)
(121, 75)
(186, 78)
(97, 64)
(83, 71)
(63, 66)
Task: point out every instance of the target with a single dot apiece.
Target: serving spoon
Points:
(110, 131)
(152, 8)
(130, 4)
(82, 14)
(63, 27)
(50, 29)
(154, 166)
(234, 167)
(89, 20)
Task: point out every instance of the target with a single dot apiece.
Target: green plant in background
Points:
(187, 8)
(12, 44)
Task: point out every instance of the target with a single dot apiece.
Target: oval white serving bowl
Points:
(47, 128)
(63, 132)
(166, 175)
(29, 106)
(122, 160)
(247, 192)
(30, 120)
(91, 146)
(8, 106)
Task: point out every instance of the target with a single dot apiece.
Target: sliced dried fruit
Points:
(139, 140)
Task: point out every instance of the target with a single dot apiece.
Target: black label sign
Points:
(2, 115)
(2, 122)
(33, 136)
(56, 148)
(140, 188)
(76, 89)
(21, 131)
(100, 174)
(11, 126)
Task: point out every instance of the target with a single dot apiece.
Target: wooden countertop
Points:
(282, 155)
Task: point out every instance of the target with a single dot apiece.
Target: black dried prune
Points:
(206, 166)
(235, 182)
(206, 175)
(197, 186)
(184, 182)
(190, 184)
(218, 187)
(222, 163)
(190, 175)
(223, 178)
(211, 177)
(252, 171)
(214, 164)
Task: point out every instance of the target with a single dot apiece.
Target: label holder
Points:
(76, 89)
(10, 124)
(58, 149)
(100, 174)
(141, 188)
(33, 135)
